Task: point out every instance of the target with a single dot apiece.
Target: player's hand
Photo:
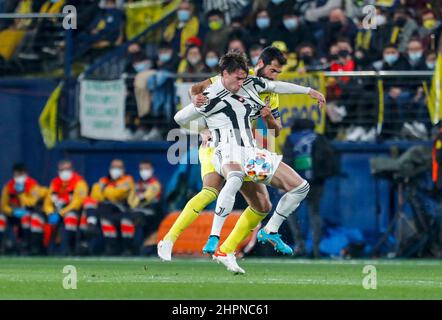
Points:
(206, 136)
(318, 96)
(265, 112)
(199, 100)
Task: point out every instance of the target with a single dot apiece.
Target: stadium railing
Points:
(31, 45)
(360, 106)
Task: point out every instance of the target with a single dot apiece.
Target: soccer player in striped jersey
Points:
(269, 65)
(232, 101)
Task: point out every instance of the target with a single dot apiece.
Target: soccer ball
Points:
(258, 168)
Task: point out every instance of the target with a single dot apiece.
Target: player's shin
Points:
(226, 200)
(245, 225)
(191, 211)
(286, 205)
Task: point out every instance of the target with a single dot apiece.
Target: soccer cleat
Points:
(229, 260)
(164, 250)
(211, 245)
(275, 240)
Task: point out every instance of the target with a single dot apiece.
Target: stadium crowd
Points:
(315, 35)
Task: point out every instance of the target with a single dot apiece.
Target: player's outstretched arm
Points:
(188, 115)
(282, 87)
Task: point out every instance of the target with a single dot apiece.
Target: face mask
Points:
(343, 53)
(65, 175)
(306, 58)
(194, 61)
(146, 174)
(211, 62)
(141, 66)
(430, 65)
(291, 23)
(335, 26)
(115, 173)
(391, 58)
(20, 179)
(334, 57)
(429, 24)
(415, 56)
(401, 21)
(381, 20)
(164, 57)
(277, 1)
(254, 60)
(183, 15)
(263, 23)
(216, 25)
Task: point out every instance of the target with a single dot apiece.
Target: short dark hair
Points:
(269, 54)
(232, 61)
(65, 161)
(390, 45)
(215, 12)
(165, 45)
(146, 162)
(19, 167)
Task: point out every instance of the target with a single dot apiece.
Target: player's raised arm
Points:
(189, 114)
(282, 87)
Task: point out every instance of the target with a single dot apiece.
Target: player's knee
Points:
(234, 180)
(265, 206)
(301, 190)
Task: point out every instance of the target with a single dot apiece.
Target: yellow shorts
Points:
(205, 155)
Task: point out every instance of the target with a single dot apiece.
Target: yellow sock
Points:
(248, 221)
(191, 211)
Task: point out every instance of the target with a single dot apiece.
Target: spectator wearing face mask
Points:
(293, 31)
(369, 42)
(278, 8)
(254, 53)
(162, 85)
(193, 62)
(218, 33)
(397, 96)
(431, 60)
(307, 56)
(183, 27)
(211, 61)
(236, 45)
(400, 30)
(337, 25)
(18, 201)
(111, 193)
(145, 202)
(262, 31)
(63, 206)
(167, 59)
(430, 30)
(138, 60)
(142, 67)
(415, 55)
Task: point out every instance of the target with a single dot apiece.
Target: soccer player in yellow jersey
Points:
(269, 66)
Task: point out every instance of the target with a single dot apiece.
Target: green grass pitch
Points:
(148, 278)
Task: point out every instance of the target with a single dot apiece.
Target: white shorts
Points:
(227, 153)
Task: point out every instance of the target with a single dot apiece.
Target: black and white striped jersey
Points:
(228, 115)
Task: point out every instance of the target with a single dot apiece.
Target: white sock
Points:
(217, 225)
(226, 200)
(286, 205)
